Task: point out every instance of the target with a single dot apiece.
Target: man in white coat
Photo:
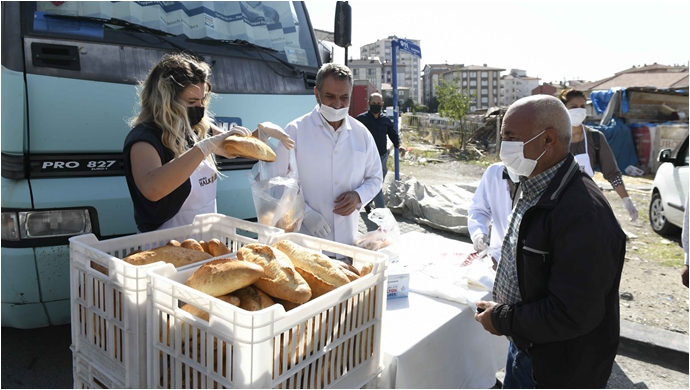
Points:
(337, 160)
(491, 206)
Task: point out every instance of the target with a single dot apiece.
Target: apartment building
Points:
(516, 85)
(370, 69)
(431, 75)
(480, 82)
(408, 66)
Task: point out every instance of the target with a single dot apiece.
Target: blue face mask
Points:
(195, 114)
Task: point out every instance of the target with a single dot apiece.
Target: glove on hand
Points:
(214, 144)
(481, 242)
(274, 131)
(630, 206)
(316, 225)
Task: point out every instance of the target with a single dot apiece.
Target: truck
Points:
(70, 75)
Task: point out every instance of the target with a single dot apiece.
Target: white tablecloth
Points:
(431, 342)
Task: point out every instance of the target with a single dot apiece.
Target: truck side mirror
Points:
(343, 24)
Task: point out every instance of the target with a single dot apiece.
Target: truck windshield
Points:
(251, 28)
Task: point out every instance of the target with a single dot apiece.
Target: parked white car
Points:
(670, 191)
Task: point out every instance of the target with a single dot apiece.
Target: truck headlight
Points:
(53, 223)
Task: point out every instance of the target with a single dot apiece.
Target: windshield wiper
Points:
(131, 27)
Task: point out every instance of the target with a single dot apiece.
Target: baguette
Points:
(317, 285)
(191, 243)
(204, 246)
(173, 243)
(366, 269)
(195, 311)
(280, 279)
(175, 255)
(248, 147)
(313, 262)
(253, 299)
(217, 248)
(223, 276)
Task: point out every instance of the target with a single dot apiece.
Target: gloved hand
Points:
(316, 225)
(630, 206)
(274, 131)
(480, 241)
(214, 144)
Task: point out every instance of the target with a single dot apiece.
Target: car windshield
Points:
(272, 26)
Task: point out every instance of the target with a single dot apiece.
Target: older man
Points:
(337, 160)
(556, 290)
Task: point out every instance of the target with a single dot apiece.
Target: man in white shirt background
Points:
(337, 160)
(492, 202)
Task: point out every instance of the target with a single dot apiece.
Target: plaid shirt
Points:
(506, 288)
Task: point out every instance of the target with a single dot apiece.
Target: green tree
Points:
(409, 104)
(433, 104)
(454, 104)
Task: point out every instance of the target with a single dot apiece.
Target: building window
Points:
(495, 74)
(494, 83)
(473, 74)
(485, 74)
(485, 91)
(485, 83)
(494, 91)
(473, 92)
(473, 83)
(495, 100)
(355, 72)
(464, 83)
(485, 100)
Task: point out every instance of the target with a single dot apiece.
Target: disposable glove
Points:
(274, 131)
(214, 144)
(481, 242)
(316, 225)
(630, 206)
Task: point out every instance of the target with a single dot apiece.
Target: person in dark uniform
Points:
(380, 126)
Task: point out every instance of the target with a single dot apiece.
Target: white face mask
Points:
(332, 114)
(513, 177)
(577, 116)
(513, 157)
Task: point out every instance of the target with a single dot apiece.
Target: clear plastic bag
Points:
(388, 232)
(278, 200)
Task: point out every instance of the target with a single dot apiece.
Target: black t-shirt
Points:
(150, 215)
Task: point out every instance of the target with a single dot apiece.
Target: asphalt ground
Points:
(647, 357)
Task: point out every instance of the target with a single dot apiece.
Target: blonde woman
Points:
(169, 154)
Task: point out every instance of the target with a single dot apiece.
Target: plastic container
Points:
(108, 296)
(88, 375)
(333, 341)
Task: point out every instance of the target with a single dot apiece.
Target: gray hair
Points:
(549, 112)
(341, 72)
(375, 94)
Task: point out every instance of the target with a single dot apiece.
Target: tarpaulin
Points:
(600, 99)
(619, 137)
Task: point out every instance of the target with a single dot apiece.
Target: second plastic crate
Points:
(333, 341)
(108, 295)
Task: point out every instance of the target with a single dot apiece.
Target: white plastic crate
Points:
(333, 341)
(87, 375)
(108, 296)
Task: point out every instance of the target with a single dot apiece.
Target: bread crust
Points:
(314, 262)
(175, 255)
(217, 248)
(248, 147)
(195, 311)
(253, 299)
(223, 276)
(191, 243)
(280, 278)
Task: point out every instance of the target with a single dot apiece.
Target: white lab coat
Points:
(491, 204)
(328, 168)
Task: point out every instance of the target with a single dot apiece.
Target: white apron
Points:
(583, 159)
(201, 199)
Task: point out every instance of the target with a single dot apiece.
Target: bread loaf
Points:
(173, 243)
(217, 248)
(191, 243)
(195, 311)
(204, 246)
(313, 262)
(253, 299)
(175, 255)
(248, 147)
(223, 276)
(366, 269)
(317, 285)
(280, 278)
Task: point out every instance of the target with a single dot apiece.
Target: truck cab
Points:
(70, 76)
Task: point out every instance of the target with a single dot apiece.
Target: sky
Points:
(554, 40)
